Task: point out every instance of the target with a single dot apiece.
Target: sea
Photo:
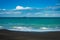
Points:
(38, 24)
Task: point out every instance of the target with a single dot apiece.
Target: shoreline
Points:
(19, 35)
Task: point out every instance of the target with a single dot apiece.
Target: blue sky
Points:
(10, 4)
(30, 8)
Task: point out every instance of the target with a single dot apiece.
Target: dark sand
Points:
(14, 35)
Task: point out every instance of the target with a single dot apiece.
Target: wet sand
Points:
(18, 35)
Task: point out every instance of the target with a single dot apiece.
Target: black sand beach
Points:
(14, 35)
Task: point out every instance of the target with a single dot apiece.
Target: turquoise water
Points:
(34, 22)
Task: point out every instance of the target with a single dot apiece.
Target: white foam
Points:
(21, 28)
(1, 27)
(30, 29)
(44, 28)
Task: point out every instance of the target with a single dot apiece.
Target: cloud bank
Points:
(20, 11)
(21, 7)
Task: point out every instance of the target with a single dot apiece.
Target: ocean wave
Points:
(30, 29)
(1, 27)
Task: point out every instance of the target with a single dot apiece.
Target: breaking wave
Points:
(30, 29)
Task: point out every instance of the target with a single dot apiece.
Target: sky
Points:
(30, 8)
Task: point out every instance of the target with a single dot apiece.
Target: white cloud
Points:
(38, 13)
(10, 12)
(21, 7)
(28, 14)
(27, 7)
(52, 7)
(13, 12)
(58, 4)
(2, 9)
(52, 13)
(46, 14)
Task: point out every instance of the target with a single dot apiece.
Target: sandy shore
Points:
(14, 35)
